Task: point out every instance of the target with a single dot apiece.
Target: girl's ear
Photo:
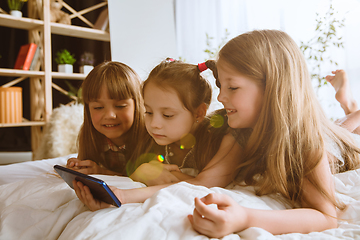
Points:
(200, 112)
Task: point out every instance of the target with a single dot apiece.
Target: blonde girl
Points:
(176, 98)
(113, 120)
(265, 86)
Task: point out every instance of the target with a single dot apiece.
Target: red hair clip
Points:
(170, 60)
(202, 67)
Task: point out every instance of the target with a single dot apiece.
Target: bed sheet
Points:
(25, 170)
(44, 207)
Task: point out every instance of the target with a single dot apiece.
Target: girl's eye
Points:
(148, 113)
(168, 116)
(121, 106)
(98, 108)
(233, 88)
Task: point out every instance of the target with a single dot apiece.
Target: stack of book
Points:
(28, 57)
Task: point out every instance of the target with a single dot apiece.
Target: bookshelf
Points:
(40, 31)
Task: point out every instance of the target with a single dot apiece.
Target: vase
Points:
(65, 68)
(86, 69)
(11, 105)
(16, 13)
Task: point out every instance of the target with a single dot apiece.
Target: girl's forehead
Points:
(225, 67)
(163, 97)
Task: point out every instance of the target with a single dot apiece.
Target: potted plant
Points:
(15, 7)
(65, 61)
(86, 62)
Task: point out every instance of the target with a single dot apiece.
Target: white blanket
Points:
(44, 207)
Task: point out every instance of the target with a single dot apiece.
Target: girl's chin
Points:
(161, 143)
(233, 124)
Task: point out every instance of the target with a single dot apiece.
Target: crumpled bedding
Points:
(40, 205)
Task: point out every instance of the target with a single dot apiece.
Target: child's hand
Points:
(71, 162)
(85, 196)
(228, 218)
(84, 166)
(155, 173)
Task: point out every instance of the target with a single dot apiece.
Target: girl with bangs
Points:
(293, 148)
(113, 120)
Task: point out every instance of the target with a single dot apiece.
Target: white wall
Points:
(196, 18)
(142, 33)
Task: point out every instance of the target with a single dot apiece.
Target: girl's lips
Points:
(110, 125)
(230, 111)
(158, 135)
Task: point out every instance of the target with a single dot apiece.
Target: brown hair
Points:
(122, 83)
(185, 79)
(288, 139)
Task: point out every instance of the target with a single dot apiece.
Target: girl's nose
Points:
(155, 122)
(110, 114)
(221, 97)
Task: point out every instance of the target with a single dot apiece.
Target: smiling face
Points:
(111, 117)
(241, 96)
(166, 118)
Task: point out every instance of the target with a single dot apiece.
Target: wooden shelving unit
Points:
(40, 30)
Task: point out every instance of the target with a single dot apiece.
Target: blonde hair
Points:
(121, 83)
(288, 139)
(193, 90)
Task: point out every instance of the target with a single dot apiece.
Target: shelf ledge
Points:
(23, 124)
(17, 73)
(20, 23)
(55, 75)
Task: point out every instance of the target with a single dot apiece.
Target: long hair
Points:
(193, 90)
(121, 83)
(288, 140)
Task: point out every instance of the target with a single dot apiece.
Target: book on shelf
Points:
(25, 56)
(35, 59)
(102, 21)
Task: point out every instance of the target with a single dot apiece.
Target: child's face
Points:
(241, 96)
(111, 117)
(166, 118)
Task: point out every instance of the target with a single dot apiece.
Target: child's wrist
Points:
(119, 194)
(244, 220)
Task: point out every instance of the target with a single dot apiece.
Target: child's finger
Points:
(205, 211)
(76, 188)
(329, 78)
(222, 200)
(78, 191)
(172, 167)
(82, 192)
(85, 163)
(71, 162)
(89, 197)
(200, 223)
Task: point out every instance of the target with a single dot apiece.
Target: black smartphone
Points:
(98, 188)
